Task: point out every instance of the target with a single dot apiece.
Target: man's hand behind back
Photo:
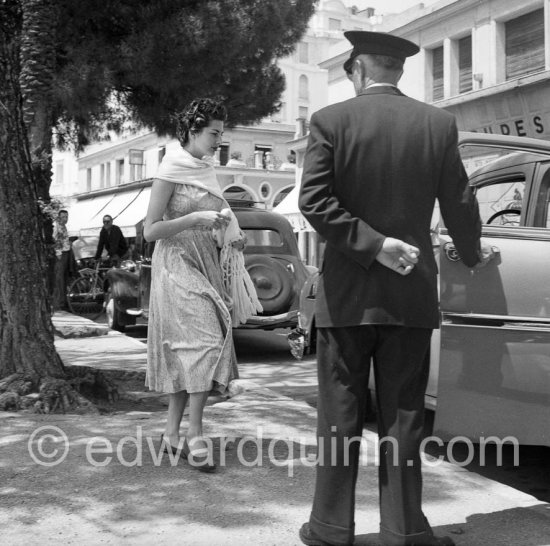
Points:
(398, 256)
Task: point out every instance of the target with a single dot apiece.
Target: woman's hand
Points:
(240, 243)
(210, 218)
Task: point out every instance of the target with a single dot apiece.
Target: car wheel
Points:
(116, 319)
(273, 281)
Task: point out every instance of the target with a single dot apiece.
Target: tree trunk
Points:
(26, 331)
(37, 63)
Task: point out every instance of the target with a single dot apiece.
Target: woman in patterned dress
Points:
(190, 346)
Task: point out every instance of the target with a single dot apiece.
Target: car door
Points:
(494, 361)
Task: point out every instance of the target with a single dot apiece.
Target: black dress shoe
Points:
(307, 536)
(198, 461)
(167, 447)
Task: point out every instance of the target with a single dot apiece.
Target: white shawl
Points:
(183, 168)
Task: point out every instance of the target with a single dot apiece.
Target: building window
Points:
(334, 24)
(135, 172)
(524, 44)
(107, 174)
(437, 73)
(119, 171)
(281, 195)
(303, 88)
(260, 156)
(102, 175)
(265, 190)
(224, 154)
(303, 52)
(89, 179)
(465, 64)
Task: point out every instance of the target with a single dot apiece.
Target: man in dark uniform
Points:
(112, 239)
(374, 166)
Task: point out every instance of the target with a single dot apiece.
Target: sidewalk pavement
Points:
(111, 487)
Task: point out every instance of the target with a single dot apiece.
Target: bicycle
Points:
(86, 295)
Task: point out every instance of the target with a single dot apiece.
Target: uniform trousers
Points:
(400, 357)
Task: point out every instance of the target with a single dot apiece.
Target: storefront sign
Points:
(522, 111)
(535, 126)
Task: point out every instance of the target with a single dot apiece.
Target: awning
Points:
(288, 207)
(126, 209)
(134, 213)
(82, 212)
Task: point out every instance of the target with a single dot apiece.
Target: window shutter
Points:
(525, 44)
(465, 64)
(437, 71)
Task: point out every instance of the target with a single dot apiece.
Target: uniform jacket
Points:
(374, 166)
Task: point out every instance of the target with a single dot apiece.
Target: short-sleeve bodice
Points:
(186, 199)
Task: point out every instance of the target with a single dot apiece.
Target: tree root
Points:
(75, 394)
(92, 383)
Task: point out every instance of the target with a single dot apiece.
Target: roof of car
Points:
(508, 161)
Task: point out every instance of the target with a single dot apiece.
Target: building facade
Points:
(254, 162)
(486, 62)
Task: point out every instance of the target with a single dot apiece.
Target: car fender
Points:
(124, 287)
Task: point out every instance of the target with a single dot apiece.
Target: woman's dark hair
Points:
(196, 116)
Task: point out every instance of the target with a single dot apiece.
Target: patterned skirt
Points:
(189, 340)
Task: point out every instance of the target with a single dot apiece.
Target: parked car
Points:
(272, 260)
(490, 360)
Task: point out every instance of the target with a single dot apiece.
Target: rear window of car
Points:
(263, 237)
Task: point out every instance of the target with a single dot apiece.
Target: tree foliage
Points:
(141, 60)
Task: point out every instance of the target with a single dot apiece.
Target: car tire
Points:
(116, 319)
(273, 281)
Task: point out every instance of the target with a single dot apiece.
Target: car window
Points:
(542, 209)
(501, 203)
(474, 157)
(263, 237)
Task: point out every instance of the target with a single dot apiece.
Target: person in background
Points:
(112, 239)
(373, 169)
(63, 253)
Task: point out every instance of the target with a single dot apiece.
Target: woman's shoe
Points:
(167, 447)
(198, 458)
